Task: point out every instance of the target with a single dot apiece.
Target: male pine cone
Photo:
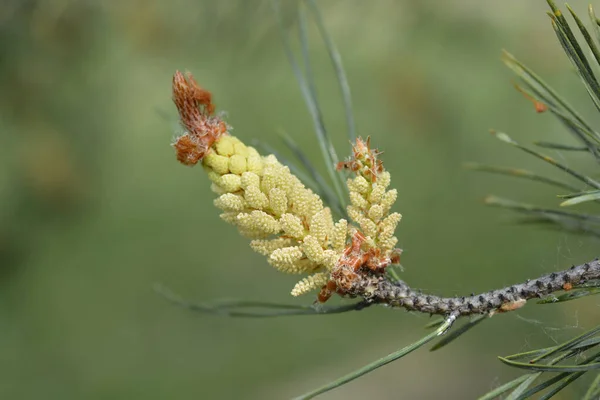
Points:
(259, 195)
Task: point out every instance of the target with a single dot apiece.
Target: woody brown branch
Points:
(378, 289)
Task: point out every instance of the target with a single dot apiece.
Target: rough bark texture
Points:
(379, 289)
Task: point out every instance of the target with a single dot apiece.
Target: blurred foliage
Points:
(94, 209)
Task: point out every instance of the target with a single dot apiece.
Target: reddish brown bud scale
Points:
(395, 259)
(188, 151)
(196, 110)
(327, 291)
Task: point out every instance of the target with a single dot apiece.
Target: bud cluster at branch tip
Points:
(286, 221)
(289, 224)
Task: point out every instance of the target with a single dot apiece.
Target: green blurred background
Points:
(94, 208)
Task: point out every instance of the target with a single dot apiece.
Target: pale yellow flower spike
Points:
(340, 233)
(370, 201)
(266, 202)
(269, 201)
(268, 246)
(312, 282)
(287, 259)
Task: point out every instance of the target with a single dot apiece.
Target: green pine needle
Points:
(519, 173)
(555, 215)
(455, 334)
(558, 146)
(593, 391)
(584, 178)
(523, 391)
(566, 377)
(590, 196)
(340, 73)
(379, 363)
(544, 93)
(566, 345)
(565, 382)
(435, 323)
(500, 390)
(255, 309)
(551, 368)
(579, 61)
(595, 26)
(327, 149)
(518, 392)
(570, 43)
(571, 295)
(586, 35)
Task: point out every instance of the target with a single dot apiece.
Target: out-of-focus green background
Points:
(94, 208)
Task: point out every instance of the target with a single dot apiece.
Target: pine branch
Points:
(378, 289)
(358, 268)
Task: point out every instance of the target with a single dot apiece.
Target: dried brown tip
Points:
(196, 112)
(539, 106)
